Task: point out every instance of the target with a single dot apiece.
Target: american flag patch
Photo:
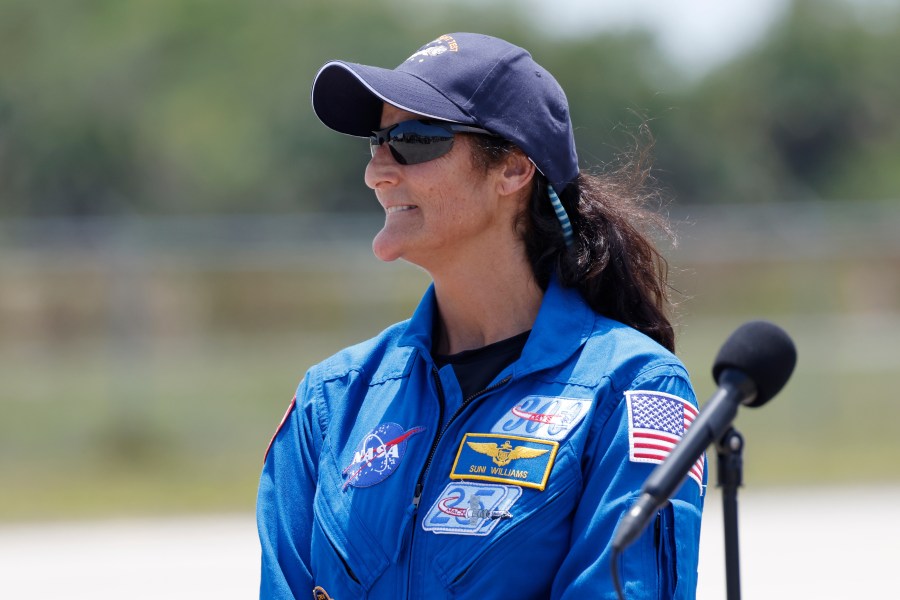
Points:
(656, 422)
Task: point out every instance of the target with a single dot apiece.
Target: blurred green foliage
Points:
(199, 106)
(144, 369)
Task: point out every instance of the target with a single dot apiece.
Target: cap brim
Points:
(348, 97)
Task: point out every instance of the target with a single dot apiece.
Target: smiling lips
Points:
(395, 209)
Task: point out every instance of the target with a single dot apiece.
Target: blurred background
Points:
(180, 238)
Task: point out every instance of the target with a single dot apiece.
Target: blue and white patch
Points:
(543, 417)
(378, 455)
(471, 508)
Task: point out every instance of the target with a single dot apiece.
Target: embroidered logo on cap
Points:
(656, 422)
(378, 455)
(543, 417)
(504, 459)
(471, 508)
(443, 44)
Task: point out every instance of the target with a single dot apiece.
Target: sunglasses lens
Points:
(414, 142)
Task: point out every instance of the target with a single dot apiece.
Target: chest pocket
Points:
(330, 565)
(346, 555)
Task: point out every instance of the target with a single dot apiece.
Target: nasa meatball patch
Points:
(378, 455)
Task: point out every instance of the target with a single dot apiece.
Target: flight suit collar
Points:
(563, 323)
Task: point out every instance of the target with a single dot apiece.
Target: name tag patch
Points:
(543, 417)
(505, 459)
(471, 508)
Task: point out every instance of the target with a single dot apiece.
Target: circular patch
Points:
(378, 455)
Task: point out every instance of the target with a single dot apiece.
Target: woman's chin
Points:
(386, 247)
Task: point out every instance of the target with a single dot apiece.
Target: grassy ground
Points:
(834, 421)
(177, 427)
(156, 391)
(184, 426)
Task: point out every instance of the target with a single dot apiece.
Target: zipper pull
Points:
(417, 497)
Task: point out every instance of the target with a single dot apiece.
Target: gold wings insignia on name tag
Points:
(505, 454)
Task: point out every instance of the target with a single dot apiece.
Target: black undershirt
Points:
(476, 369)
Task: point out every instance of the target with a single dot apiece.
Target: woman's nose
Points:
(382, 169)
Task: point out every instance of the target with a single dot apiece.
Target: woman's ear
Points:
(515, 173)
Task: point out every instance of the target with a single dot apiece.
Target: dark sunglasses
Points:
(419, 140)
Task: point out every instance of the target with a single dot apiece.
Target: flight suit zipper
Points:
(420, 484)
(440, 390)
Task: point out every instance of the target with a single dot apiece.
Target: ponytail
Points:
(613, 261)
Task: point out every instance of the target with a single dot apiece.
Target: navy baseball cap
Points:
(466, 78)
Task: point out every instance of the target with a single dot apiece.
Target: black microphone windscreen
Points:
(762, 351)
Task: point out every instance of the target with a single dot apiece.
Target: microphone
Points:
(752, 366)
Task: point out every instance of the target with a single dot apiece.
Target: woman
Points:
(488, 446)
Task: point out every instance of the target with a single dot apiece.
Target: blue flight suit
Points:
(383, 482)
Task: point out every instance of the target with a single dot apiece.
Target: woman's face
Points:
(439, 213)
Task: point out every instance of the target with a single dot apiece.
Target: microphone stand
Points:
(729, 452)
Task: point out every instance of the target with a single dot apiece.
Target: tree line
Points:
(202, 106)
